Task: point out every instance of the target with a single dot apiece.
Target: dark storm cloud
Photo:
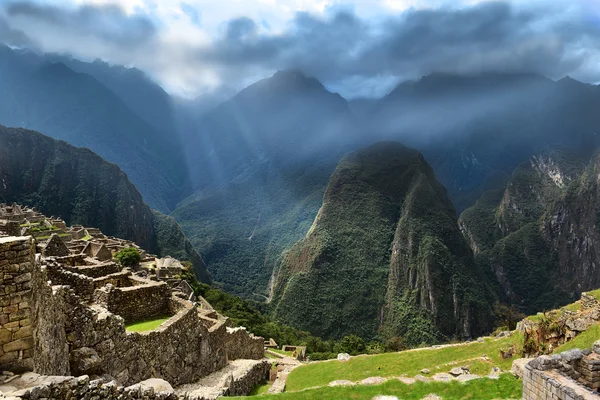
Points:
(554, 38)
(491, 36)
(106, 24)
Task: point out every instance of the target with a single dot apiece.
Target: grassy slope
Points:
(404, 363)
(507, 387)
(310, 381)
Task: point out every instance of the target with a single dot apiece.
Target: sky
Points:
(359, 48)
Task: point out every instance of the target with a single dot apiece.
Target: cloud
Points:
(356, 55)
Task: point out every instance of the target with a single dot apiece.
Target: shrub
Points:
(128, 257)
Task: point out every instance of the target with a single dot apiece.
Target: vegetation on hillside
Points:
(171, 241)
(511, 231)
(384, 218)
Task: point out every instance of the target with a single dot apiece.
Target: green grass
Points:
(87, 237)
(507, 387)
(261, 389)
(283, 353)
(595, 294)
(584, 340)
(148, 325)
(404, 363)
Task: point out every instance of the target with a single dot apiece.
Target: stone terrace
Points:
(572, 375)
(65, 310)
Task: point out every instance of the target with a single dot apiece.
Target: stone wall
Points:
(572, 375)
(180, 351)
(17, 258)
(245, 384)
(83, 285)
(136, 303)
(96, 271)
(241, 345)
(68, 387)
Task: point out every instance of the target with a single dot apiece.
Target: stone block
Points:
(9, 357)
(23, 278)
(23, 332)
(21, 344)
(5, 336)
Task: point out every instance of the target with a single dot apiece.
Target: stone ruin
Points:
(571, 375)
(560, 326)
(65, 309)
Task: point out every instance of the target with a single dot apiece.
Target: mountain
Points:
(475, 130)
(73, 106)
(537, 235)
(384, 255)
(288, 115)
(263, 160)
(82, 188)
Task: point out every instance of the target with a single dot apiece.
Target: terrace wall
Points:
(572, 375)
(17, 259)
(136, 303)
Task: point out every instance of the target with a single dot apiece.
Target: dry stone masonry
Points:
(16, 336)
(571, 375)
(65, 305)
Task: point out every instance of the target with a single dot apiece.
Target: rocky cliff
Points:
(384, 255)
(82, 188)
(538, 235)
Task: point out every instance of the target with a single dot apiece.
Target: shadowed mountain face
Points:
(288, 116)
(538, 234)
(384, 255)
(82, 188)
(79, 109)
(475, 130)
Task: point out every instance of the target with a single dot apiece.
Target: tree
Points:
(128, 257)
(351, 344)
(508, 315)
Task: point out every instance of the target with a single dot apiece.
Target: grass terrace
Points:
(148, 325)
(506, 387)
(408, 363)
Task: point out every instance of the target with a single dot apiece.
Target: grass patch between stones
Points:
(145, 326)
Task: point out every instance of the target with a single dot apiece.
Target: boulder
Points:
(596, 347)
(422, 378)
(432, 397)
(425, 371)
(457, 371)
(158, 385)
(342, 357)
(84, 361)
(407, 381)
(572, 355)
(341, 383)
(373, 380)
(442, 377)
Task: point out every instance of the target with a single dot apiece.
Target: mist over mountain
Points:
(48, 96)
